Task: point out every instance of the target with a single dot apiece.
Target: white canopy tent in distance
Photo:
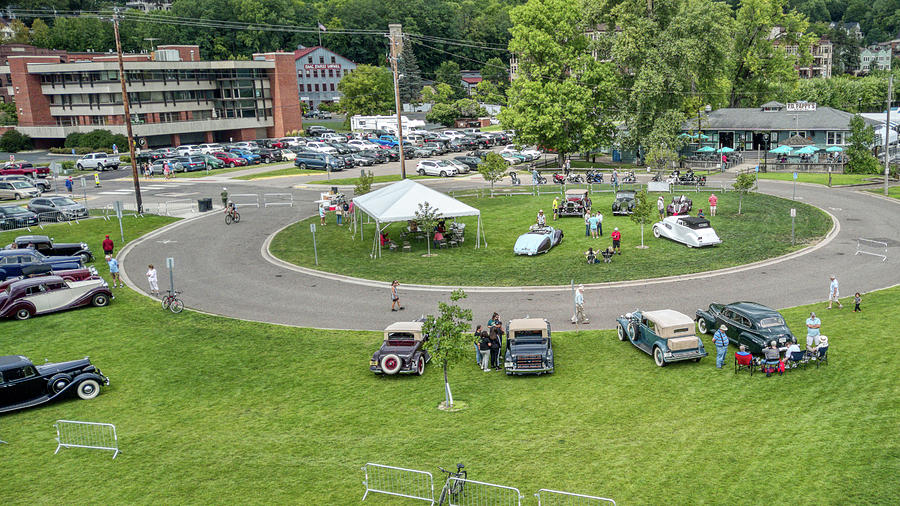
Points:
(400, 201)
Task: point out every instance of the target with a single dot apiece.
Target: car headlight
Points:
(84, 246)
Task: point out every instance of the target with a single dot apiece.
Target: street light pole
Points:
(396, 34)
(127, 112)
(887, 135)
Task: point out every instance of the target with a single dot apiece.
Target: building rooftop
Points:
(774, 116)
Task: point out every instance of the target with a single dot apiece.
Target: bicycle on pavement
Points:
(231, 214)
(172, 302)
(453, 488)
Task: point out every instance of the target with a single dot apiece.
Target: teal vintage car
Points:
(666, 335)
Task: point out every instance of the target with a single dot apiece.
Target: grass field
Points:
(213, 410)
(376, 179)
(836, 179)
(762, 231)
(288, 171)
(893, 191)
(336, 124)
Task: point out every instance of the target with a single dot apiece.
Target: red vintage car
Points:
(43, 270)
(230, 159)
(47, 294)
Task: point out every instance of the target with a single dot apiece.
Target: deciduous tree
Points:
(744, 183)
(449, 74)
(448, 337)
(367, 91)
(427, 218)
(644, 209)
(859, 152)
(492, 169)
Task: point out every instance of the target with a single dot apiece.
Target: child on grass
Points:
(856, 300)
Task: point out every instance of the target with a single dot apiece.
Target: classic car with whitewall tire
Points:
(529, 349)
(47, 294)
(693, 232)
(12, 261)
(624, 203)
(47, 246)
(537, 240)
(402, 351)
(43, 270)
(679, 205)
(749, 323)
(666, 335)
(25, 385)
(574, 203)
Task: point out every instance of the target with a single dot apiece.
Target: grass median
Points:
(893, 191)
(762, 231)
(375, 179)
(816, 178)
(284, 172)
(214, 410)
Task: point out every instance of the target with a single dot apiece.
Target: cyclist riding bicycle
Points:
(230, 208)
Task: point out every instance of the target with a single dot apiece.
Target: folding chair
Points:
(797, 360)
(822, 356)
(743, 362)
(406, 247)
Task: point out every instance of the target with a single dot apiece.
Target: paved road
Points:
(222, 270)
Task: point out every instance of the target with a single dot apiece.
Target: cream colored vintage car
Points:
(402, 351)
(528, 347)
(666, 335)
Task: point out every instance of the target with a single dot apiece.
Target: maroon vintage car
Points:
(46, 294)
(32, 271)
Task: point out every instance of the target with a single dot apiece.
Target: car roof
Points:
(35, 281)
(527, 324)
(752, 308)
(576, 191)
(13, 361)
(693, 220)
(404, 327)
(668, 318)
(32, 238)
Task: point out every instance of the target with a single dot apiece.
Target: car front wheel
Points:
(443, 173)
(302, 166)
(658, 357)
(656, 232)
(421, 172)
(23, 313)
(621, 333)
(701, 326)
(391, 363)
(88, 389)
(100, 300)
(58, 383)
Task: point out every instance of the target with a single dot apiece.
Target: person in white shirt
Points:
(153, 280)
(541, 219)
(834, 294)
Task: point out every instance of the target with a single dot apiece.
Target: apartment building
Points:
(319, 70)
(175, 97)
(822, 52)
(876, 57)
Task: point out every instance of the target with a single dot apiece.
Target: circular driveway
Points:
(224, 270)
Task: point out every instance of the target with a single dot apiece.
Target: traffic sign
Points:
(793, 213)
(170, 263)
(795, 176)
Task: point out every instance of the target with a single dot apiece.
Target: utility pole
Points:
(134, 171)
(887, 135)
(396, 34)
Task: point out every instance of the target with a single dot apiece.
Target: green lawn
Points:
(836, 179)
(376, 179)
(893, 191)
(214, 410)
(336, 124)
(288, 171)
(763, 231)
(579, 164)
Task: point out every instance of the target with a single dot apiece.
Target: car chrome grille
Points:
(529, 362)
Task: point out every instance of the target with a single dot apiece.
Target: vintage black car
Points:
(528, 347)
(402, 351)
(25, 385)
(48, 247)
(12, 261)
(624, 203)
(748, 323)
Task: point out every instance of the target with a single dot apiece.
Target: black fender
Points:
(87, 252)
(71, 387)
(710, 319)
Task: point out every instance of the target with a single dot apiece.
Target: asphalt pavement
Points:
(224, 270)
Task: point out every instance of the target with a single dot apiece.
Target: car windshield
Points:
(14, 210)
(771, 321)
(62, 201)
(528, 337)
(625, 195)
(21, 184)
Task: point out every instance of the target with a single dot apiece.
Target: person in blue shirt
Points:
(720, 339)
(114, 271)
(812, 331)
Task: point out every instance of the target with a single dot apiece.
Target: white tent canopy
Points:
(400, 201)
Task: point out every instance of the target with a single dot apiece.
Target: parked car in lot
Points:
(191, 163)
(749, 323)
(207, 149)
(251, 158)
(318, 130)
(188, 150)
(16, 217)
(435, 168)
(313, 160)
(471, 161)
(267, 155)
(529, 349)
(230, 159)
(57, 208)
(212, 162)
(425, 151)
(18, 190)
(26, 385)
(48, 294)
(666, 335)
(80, 274)
(460, 167)
(14, 260)
(47, 246)
(362, 160)
(40, 183)
(402, 351)
(691, 231)
(537, 240)
(98, 161)
(24, 169)
(624, 203)
(158, 165)
(288, 155)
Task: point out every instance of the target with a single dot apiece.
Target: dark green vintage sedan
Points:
(749, 323)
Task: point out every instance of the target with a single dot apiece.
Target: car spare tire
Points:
(391, 363)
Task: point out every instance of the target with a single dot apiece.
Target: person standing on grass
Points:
(496, 337)
(720, 339)
(478, 345)
(485, 346)
(579, 316)
(555, 208)
(599, 224)
(713, 200)
(322, 215)
(114, 271)
(593, 222)
(813, 324)
(541, 219)
(587, 223)
(339, 213)
(661, 207)
(395, 296)
(107, 246)
(153, 280)
(834, 294)
(856, 300)
(617, 240)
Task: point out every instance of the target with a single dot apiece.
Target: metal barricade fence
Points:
(244, 199)
(93, 435)
(479, 493)
(278, 199)
(399, 482)
(17, 223)
(180, 206)
(547, 497)
(54, 217)
(871, 243)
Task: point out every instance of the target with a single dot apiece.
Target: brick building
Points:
(822, 52)
(319, 70)
(175, 97)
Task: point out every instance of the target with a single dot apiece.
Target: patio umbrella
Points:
(704, 137)
(684, 134)
(808, 150)
(781, 150)
(706, 149)
(725, 149)
(834, 149)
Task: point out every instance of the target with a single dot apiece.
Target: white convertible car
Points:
(689, 230)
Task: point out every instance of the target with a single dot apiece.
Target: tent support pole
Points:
(477, 231)
(483, 236)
